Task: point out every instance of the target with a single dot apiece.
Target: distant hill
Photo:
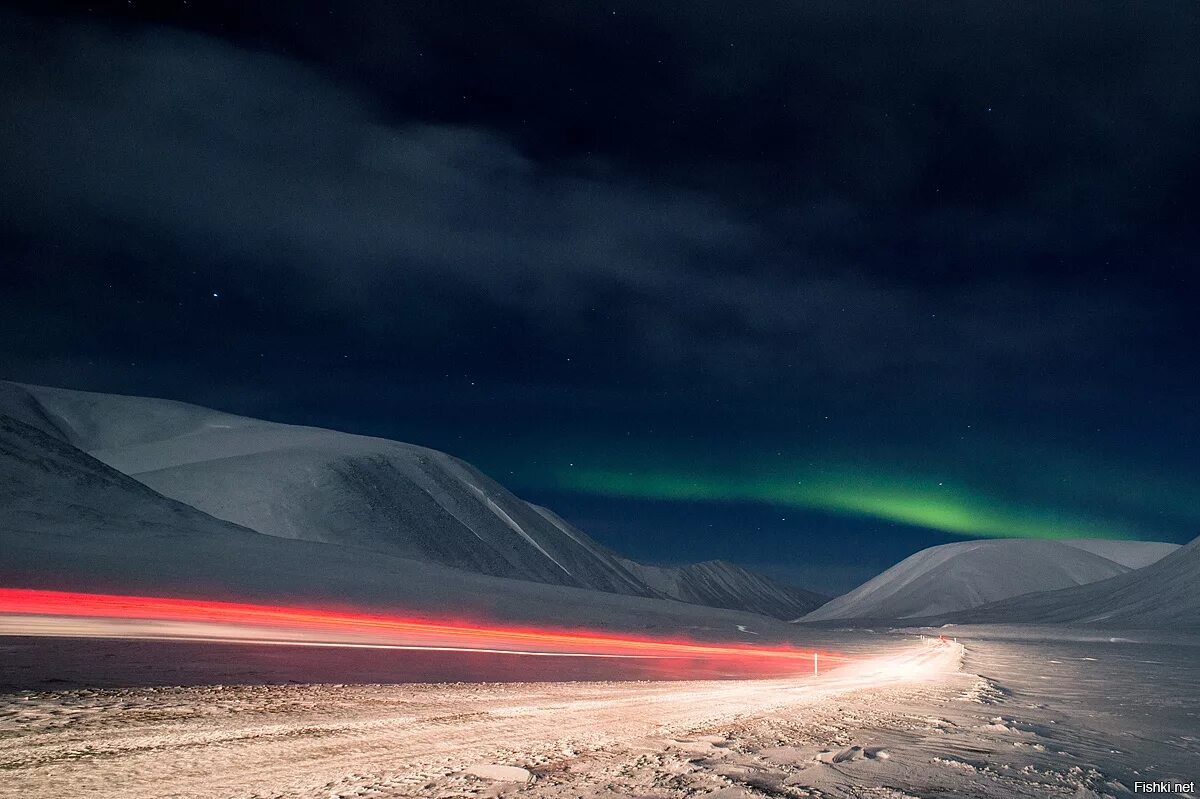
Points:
(725, 585)
(1165, 593)
(1134, 554)
(967, 574)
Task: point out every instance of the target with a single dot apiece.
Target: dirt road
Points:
(407, 740)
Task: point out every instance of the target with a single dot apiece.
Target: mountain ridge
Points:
(719, 583)
(373, 494)
(70, 522)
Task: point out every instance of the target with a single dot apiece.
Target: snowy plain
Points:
(997, 714)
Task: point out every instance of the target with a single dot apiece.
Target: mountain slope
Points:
(367, 493)
(70, 522)
(48, 487)
(319, 485)
(1163, 594)
(1133, 554)
(719, 584)
(967, 574)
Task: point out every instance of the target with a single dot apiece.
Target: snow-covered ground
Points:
(1001, 716)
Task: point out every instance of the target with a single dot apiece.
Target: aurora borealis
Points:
(808, 285)
(923, 506)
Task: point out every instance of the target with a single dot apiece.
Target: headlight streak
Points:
(62, 613)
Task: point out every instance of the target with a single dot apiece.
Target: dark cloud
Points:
(218, 154)
(881, 104)
(718, 222)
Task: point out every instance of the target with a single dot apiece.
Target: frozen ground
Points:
(1008, 715)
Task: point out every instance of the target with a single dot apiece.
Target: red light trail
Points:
(236, 621)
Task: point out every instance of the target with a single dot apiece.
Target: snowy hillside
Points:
(1164, 594)
(68, 521)
(725, 585)
(356, 492)
(1134, 554)
(319, 485)
(967, 574)
(50, 489)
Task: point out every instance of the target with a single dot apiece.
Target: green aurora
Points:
(945, 476)
(924, 503)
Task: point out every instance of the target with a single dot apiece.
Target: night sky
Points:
(804, 285)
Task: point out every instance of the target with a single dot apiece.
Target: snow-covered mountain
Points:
(70, 522)
(1165, 593)
(967, 574)
(352, 491)
(54, 493)
(1134, 554)
(720, 584)
(318, 485)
